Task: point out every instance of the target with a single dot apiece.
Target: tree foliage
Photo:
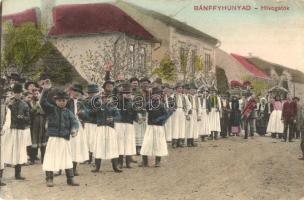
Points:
(222, 81)
(166, 70)
(23, 47)
(259, 86)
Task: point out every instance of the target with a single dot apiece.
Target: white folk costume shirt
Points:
(204, 125)
(168, 125)
(183, 106)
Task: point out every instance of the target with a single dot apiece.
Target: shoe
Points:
(70, 181)
(19, 177)
(97, 166)
(144, 161)
(115, 165)
(128, 162)
(157, 161)
(49, 183)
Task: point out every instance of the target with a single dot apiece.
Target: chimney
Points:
(47, 13)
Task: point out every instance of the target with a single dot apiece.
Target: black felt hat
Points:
(17, 88)
(61, 95)
(77, 88)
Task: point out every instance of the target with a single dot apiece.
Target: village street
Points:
(234, 168)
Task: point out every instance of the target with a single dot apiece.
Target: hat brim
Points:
(76, 90)
(58, 97)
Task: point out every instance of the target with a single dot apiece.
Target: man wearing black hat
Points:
(108, 87)
(13, 79)
(225, 117)
(17, 138)
(297, 128)
(169, 103)
(249, 115)
(62, 124)
(89, 121)
(154, 143)
(192, 123)
(124, 127)
(204, 126)
(214, 113)
(38, 127)
(105, 114)
(183, 107)
(79, 143)
(30, 86)
(289, 114)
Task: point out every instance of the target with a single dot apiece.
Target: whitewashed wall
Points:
(189, 43)
(90, 54)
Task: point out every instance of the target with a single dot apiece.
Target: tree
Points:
(222, 81)
(23, 47)
(166, 69)
(259, 86)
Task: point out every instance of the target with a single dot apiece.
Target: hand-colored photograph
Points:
(152, 99)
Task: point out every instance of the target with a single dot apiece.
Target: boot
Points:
(90, 157)
(203, 138)
(193, 144)
(280, 135)
(115, 165)
(70, 177)
(157, 161)
(33, 155)
(1, 175)
(138, 150)
(18, 173)
(42, 151)
(128, 161)
(120, 161)
(174, 143)
(97, 166)
(144, 161)
(188, 142)
(75, 169)
(273, 135)
(49, 178)
(215, 135)
(179, 143)
(29, 151)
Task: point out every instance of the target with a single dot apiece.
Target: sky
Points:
(274, 36)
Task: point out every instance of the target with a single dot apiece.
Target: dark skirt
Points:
(38, 131)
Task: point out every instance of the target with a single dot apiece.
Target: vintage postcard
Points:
(152, 99)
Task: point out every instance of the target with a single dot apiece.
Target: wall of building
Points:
(158, 29)
(190, 44)
(234, 70)
(90, 55)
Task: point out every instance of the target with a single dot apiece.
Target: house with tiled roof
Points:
(92, 35)
(176, 40)
(134, 39)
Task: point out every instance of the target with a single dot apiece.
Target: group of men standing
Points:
(117, 121)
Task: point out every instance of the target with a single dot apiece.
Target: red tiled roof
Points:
(250, 67)
(19, 18)
(82, 19)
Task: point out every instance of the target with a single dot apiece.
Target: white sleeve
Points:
(188, 104)
(220, 103)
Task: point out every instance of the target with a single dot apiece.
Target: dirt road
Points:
(234, 168)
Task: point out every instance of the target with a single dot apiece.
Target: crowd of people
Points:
(125, 118)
